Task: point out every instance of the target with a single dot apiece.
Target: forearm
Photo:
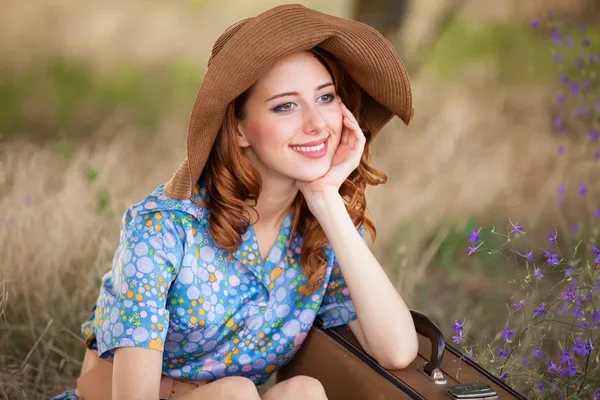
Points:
(384, 318)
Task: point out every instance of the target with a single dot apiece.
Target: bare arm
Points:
(385, 327)
(136, 374)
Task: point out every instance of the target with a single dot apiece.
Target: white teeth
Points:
(308, 149)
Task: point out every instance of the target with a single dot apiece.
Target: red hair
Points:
(232, 181)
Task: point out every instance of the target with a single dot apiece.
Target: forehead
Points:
(293, 72)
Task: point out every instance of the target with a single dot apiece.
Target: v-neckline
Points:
(284, 225)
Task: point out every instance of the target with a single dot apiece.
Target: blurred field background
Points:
(94, 102)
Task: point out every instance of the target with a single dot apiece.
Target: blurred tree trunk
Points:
(386, 16)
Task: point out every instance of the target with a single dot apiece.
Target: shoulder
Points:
(158, 201)
(157, 211)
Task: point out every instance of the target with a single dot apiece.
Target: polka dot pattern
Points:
(172, 289)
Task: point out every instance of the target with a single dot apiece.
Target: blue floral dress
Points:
(172, 289)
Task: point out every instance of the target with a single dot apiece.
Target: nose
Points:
(314, 122)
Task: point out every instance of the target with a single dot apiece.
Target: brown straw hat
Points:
(247, 49)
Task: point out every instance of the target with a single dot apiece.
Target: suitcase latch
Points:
(433, 373)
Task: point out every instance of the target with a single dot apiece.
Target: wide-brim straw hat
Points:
(247, 49)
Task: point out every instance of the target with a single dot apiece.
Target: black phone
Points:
(472, 391)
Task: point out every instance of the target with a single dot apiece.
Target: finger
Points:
(356, 130)
(349, 114)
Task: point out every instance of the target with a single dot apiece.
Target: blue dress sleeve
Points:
(337, 307)
(131, 309)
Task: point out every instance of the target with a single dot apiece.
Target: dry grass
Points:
(474, 147)
(56, 245)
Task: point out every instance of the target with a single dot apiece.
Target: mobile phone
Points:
(472, 391)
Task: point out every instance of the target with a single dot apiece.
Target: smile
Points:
(314, 151)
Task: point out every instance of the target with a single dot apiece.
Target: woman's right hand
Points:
(136, 373)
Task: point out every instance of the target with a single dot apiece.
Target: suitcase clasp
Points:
(435, 374)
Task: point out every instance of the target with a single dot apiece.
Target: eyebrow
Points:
(296, 93)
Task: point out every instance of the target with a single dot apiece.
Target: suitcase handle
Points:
(427, 328)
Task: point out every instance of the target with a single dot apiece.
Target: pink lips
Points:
(313, 154)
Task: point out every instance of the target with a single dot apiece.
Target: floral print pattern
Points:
(172, 289)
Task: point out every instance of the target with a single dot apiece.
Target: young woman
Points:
(221, 272)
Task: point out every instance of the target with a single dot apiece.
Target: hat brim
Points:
(247, 50)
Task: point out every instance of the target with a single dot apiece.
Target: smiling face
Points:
(292, 121)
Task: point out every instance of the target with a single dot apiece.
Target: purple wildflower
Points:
(569, 363)
(540, 386)
(561, 97)
(502, 352)
(535, 22)
(596, 395)
(565, 356)
(552, 366)
(596, 213)
(537, 352)
(597, 155)
(561, 150)
(574, 227)
(519, 305)
(470, 354)
(507, 334)
(574, 88)
(582, 347)
(586, 42)
(528, 255)
(555, 36)
(473, 249)
(558, 122)
(569, 272)
(552, 258)
(516, 228)
(557, 58)
(564, 78)
(458, 338)
(540, 311)
(582, 189)
(552, 238)
(458, 325)
(594, 58)
(569, 370)
(538, 274)
(594, 134)
(474, 237)
(569, 295)
(504, 376)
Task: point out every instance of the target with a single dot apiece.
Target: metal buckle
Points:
(436, 375)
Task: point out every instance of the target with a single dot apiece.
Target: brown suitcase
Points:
(335, 358)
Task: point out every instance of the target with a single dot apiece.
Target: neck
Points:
(274, 203)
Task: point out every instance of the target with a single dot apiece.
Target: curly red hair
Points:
(232, 181)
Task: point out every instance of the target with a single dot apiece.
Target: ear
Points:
(241, 137)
